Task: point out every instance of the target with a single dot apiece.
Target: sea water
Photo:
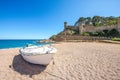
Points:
(4, 44)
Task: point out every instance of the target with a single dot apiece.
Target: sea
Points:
(18, 43)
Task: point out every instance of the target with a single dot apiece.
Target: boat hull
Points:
(43, 59)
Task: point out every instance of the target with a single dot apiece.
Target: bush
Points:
(95, 34)
(85, 34)
(116, 39)
(53, 37)
(114, 33)
(70, 32)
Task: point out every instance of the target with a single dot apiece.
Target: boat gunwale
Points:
(34, 54)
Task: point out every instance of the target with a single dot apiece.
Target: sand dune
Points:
(73, 61)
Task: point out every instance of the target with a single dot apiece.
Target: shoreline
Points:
(74, 41)
(11, 48)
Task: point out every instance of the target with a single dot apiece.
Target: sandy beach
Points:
(73, 61)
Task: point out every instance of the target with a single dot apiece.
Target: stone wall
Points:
(78, 37)
(72, 27)
(82, 28)
(98, 29)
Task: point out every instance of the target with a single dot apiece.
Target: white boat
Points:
(38, 55)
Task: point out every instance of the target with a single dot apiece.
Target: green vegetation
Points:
(53, 37)
(111, 33)
(105, 33)
(97, 21)
(93, 23)
(70, 32)
(116, 39)
(85, 34)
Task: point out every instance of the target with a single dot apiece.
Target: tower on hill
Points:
(65, 25)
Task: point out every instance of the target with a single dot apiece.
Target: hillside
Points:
(92, 26)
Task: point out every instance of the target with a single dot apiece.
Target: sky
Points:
(39, 19)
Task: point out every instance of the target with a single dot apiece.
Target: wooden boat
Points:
(38, 55)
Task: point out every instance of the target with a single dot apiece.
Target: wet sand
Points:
(73, 61)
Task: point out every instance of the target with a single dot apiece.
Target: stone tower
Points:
(80, 28)
(65, 25)
(118, 22)
(118, 25)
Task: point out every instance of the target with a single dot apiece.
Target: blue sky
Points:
(39, 19)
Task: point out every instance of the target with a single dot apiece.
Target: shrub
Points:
(53, 37)
(113, 32)
(85, 34)
(116, 39)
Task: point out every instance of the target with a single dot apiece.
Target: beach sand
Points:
(73, 61)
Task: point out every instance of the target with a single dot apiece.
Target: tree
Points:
(96, 20)
(88, 21)
(53, 37)
(80, 20)
(113, 33)
(106, 33)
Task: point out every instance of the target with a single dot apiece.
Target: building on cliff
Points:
(81, 28)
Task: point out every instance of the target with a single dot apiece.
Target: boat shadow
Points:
(25, 68)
